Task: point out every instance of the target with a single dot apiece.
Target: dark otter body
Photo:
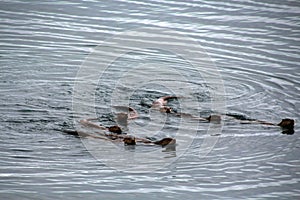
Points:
(287, 123)
(115, 129)
(165, 141)
(239, 117)
(287, 126)
(129, 141)
(71, 132)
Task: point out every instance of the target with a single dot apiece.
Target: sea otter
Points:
(165, 141)
(287, 126)
(287, 123)
(117, 135)
(161, 104)
(129, 140)
(114, 129)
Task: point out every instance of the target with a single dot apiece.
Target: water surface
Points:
(254, 44)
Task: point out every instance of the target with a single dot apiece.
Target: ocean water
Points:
(247, 56)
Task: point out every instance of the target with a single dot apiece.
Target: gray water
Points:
(255, 46)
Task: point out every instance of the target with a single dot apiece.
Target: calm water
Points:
(254, 45)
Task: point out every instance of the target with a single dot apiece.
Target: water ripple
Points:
(254, 44)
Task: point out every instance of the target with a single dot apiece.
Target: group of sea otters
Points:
(115, 133)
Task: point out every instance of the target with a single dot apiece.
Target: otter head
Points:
(287, 126)
(287, 123)
(129, 141)
(166, 109)
(115, 129)
(166, 141)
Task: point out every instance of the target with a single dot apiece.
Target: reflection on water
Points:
(255, 46)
